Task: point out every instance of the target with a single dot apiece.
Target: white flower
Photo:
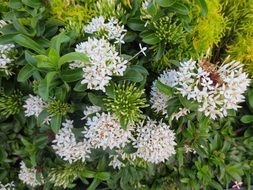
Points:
(2, 23)
(5, 58)
(115, 162)
(34, 105)
(7, 186)
(30, 176)
(180, 113)
(145, 4)
(237, 185)
(66, 146)
(155, 141)
(158, 99)
(104, 131)
(188, 149)
(90, 110)
(215, 95)
(143, 49)
(110, 30)
(104, 63)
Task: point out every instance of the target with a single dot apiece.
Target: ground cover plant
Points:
(126, 94)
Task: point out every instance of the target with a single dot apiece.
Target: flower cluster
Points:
(104, 131)
(90, 110)
(110, 30)
(66, 146)
(30, 176)
(34, 105)
(104, 62)
(217, 90)
(155, 141)
(158, 99)
(8, 186)
(6, 56)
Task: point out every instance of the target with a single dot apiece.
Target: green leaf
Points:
(103, 175)
(25, 73)
(132, 74)
(165, 89)
(29, 43)
(73, 56)
(123, 123)
(180, 8)
(54, 56)
(136, 24)
(56, 123)
(8, 38)
(32, 3)
(44, 85)
(203, 5)
(15, 4)
(96, 99)
(94, 184)
(79, 87)
(58, 40)
(61, 93)
(72, 75)
(250, 97)
(87, 174)
(151, 39)
(22, 29)
(165, 3)
(191, 105)
(247, 119)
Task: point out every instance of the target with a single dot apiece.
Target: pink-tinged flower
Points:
(237, 185)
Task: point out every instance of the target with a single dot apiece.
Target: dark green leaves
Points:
(74, 56)
(25, 73)
(165, 3)
(44, 85)
(247, 119)
(29, 43)
(167, 90)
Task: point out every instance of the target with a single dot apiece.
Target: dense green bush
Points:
(125, 94)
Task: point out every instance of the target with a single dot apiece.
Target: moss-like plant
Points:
(75, 13)
(210, 28)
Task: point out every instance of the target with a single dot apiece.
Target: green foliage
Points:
(75, 13)
(209, 29)
(209, 154)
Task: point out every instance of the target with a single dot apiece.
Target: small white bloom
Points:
(66, 146)
(182, 112)
(155, 141)
(188, 149)
(143, 49)
(215, 99)
(104, 63)
(2, 23)
(29, 176)
(158, 99)
(104, 131)
(7, 186)
(115, 162)
(34, 105)
(111, 30)
(5, 58)
(90, 110)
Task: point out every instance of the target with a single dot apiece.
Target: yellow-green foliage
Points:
(209, 29)
(109, 8)
(75, 13)
(240, 32)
